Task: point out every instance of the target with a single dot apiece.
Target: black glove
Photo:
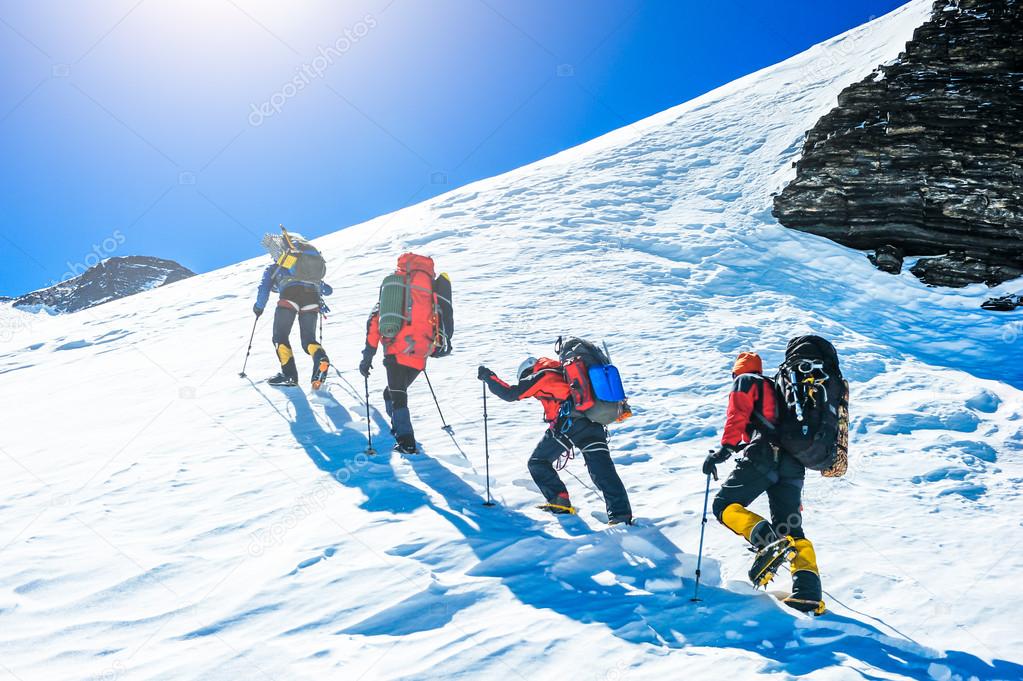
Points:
(484, 373)
(366, 365)
(257, 310)
(714, 458)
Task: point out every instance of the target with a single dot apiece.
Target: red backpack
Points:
(595, 385)
(409, 318)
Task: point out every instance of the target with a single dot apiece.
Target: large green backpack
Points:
(413, 297)
(407, 297)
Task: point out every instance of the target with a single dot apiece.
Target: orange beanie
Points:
(748, 363)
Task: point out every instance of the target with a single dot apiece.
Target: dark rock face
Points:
(926, 154)
(959, 269)
(111, 279)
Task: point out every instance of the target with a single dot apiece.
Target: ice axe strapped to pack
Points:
(595, 385)
(814, 423)
(298, 259)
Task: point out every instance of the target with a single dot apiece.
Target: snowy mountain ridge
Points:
(182, 522)
(108, 280)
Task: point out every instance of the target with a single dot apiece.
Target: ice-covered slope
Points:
(164, 519)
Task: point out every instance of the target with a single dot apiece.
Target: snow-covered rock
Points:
(110, 279)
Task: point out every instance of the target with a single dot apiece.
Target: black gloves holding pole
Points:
(714, 458)
(366, 365)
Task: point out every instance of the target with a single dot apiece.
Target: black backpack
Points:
(572, 348)
(813, 405)
(297, 259)
(445, 315)
(308, 266)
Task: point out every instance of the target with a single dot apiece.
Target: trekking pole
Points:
(486, 445)
(248, 352)
(369, 431)
(699, 558)
(446, 428)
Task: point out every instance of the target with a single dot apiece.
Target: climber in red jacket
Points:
(544, 380)
(753, 410)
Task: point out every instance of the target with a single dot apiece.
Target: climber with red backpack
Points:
(779, 428)
(297, 274)
(581, 393)
(414, 320)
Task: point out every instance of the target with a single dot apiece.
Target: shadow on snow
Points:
(627, 579)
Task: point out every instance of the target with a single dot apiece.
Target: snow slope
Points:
(161, 518)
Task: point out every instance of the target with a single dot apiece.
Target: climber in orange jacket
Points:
(544, 380)
(763, 467)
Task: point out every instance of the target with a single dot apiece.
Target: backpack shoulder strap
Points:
(758, 406)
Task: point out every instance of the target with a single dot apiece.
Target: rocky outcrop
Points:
(926, 154)
(959, 269)
(111, 279)
(888, 258)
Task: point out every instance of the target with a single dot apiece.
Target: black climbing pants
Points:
(591, 440)
(399, 378)
(303, 304)
(762, 469)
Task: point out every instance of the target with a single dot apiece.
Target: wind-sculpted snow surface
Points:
(163, 518)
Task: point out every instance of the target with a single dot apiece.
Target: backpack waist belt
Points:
(283, 302)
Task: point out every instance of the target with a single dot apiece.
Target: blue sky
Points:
(187, 129)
